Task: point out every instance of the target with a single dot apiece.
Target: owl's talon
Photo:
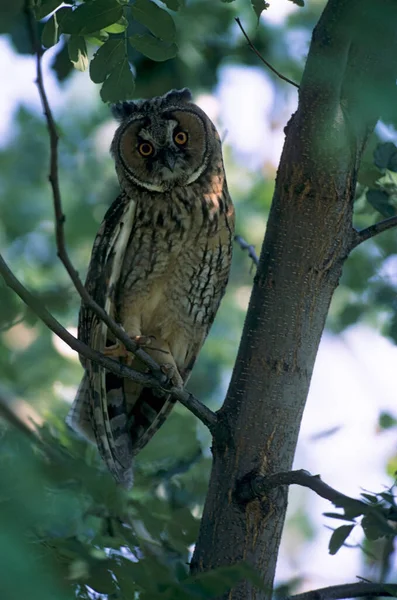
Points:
(144, 340)
(172, 373)
(116, 350)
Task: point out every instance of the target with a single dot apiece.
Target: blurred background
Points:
(66, 530)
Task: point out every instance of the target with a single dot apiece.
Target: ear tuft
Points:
(123, 110)
(184, 95)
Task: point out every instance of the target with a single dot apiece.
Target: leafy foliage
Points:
(376, 510)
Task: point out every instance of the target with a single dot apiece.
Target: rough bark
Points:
(347, 81)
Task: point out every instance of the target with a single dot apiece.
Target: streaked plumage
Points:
(159, 266)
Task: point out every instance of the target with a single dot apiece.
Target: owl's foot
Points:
(118, 350)
(172, 373)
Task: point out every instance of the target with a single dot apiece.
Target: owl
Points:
(159, 266)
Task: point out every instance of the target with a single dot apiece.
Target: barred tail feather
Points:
(149, 412)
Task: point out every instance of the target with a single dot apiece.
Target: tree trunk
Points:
(346, 83)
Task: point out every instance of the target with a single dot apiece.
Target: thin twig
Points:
(246, 246)
(118, 331)
(372, 230)
(348, 590)
(259, 55)
(188, 400)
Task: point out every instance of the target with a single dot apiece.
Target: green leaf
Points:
(381, 202)
(174, 4)
(385, 156)
(53, 27)
(61, 63)
(110, 54)
(259, 6)
(370, 497)
(156, 19)
(298, 2)
(97, 37)
(119, 85)
(45, 7)
(92, 16)
(388, 497)
(375, 525)
(9, 12)
(118, 27)
(51, 32)
(339, 537)
(337, 516)
(386, 421)
(152, 47)
(77, 49)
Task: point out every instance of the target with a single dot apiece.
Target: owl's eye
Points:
(146, 149)
(180, 138)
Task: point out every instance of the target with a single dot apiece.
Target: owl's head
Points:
(162, 142)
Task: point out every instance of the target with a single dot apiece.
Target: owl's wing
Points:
(98, 415)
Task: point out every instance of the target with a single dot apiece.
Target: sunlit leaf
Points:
(152, 47)
(118, 27)
(77, 49)
(155, 18)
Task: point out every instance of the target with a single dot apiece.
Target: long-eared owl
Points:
(159, 266)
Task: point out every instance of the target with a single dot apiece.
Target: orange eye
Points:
(180, 138)
(145, 149)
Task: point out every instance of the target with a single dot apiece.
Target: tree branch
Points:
(373, 230)
(201, 411)
(254, 487)
(118, 331)
(259, 55)
(348, 590)
(246, 246)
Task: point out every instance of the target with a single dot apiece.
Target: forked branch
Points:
(254, 487)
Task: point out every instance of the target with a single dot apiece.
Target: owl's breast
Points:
(174, 273)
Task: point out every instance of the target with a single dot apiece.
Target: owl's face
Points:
(162, 142)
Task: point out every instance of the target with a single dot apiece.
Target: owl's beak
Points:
(169, 159)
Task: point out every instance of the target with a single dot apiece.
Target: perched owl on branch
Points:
(159, 266)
